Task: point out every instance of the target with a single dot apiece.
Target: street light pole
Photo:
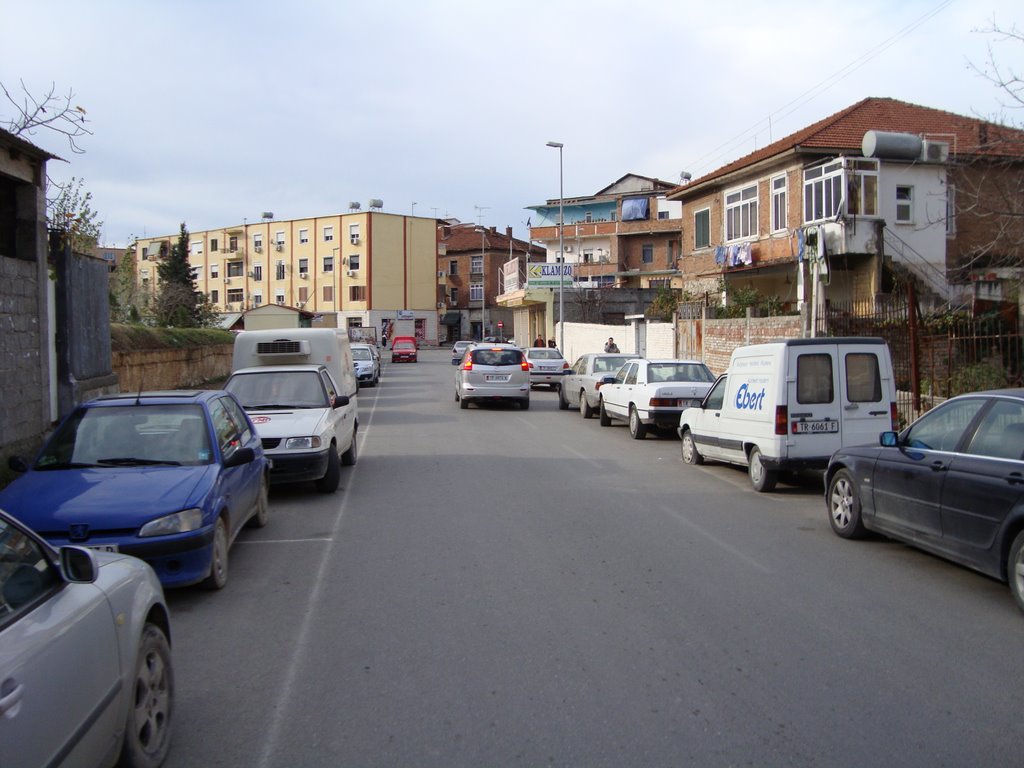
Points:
(561, 246)
(483, 293)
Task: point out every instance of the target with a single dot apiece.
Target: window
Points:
(647, 253)
(234, 269)
(257, 299)
(588, 256)
(353, 233)
(257, 241)
(814, 382)
(328, 234)
(257, 272)
(195, 248)
(232, 244)
(27, 574)
(702, 229)
(453, 267)
(476, 292)
(279, 297)
(214, 296)
(213, 244)
(904, 205)
(329, 293)
(453, 296)
(357, 293)
(950, 210)
(863, 188)
(863, 379)
(823, 192)
(214, 270)
(303, 236)
(663, 214)
(328, 263)
(279, 270)
(1001, 432)
(279, 237)
(741, 213)
(353, 261)
(303, 294)
(235, 294)
(779, 210)
(476, 265)
(941, 429)
(303, 266)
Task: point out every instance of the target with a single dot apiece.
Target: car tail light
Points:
(781, 419)
(894, 417)
(526, 365)
(531, 365)
(565, 365)
(664, 402)
(468, 364)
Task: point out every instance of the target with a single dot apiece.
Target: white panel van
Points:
(789, 405)
(299, 387)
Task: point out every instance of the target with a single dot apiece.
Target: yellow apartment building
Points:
(355, 269)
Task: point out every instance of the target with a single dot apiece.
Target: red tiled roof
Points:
(466, 237)
(844, 131)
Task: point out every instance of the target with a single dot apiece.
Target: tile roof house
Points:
(879, 192)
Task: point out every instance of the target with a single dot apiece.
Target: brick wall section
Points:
(24, 396)
(151, 369)
(720, 337)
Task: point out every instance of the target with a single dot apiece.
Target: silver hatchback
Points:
(493, 372)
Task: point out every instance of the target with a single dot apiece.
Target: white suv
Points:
(493, 372)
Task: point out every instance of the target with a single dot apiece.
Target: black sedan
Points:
(952, 483)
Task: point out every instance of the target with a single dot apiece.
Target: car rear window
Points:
(497, 357)
(545, 354)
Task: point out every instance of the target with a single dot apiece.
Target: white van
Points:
(298, 386)
(789, 405)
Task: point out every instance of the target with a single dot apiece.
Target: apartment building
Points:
(843, 209)
(354, 269)
(627, 235)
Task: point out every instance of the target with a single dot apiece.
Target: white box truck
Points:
(299, 388)
(789, 405)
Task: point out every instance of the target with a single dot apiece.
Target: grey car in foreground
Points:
(493, 372)
(85, 660)
(952, 483)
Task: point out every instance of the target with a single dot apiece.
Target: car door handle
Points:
(939, 466)
(1015, 478)
(851, 407)
(10, 700)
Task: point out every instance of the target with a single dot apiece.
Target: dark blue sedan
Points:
(952, 483)
(169, 477)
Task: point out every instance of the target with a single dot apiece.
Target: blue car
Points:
(169, 477)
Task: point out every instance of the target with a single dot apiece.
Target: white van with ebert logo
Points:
(791, 404)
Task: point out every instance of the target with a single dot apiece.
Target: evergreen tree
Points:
(179, 304)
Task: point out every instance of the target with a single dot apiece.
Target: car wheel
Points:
(148, 725)
(1015, 569)
(637, 430)
(563, 404)
(844, 506)
(762, 478)
(689, 450)
(602, 415)
(262, 513)
(585, 410)
(463, 403)
(348, 458)
(524, 404)
(218, 577)
(332, 478)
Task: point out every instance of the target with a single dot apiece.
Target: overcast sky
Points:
(212, 112)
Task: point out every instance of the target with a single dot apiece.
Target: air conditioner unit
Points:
(568, 249)
(440, 273)
(440, 305)
(304, 275)
(352, 273)
(227, 279)
(279, 247)
(354, 239)
(259, 249)
(251, 273)
(934, 151)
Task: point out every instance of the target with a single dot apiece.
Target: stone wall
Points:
(152, 369)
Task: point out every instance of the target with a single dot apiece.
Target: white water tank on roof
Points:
(891, 146)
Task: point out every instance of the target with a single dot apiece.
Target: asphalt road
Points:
(498, 587)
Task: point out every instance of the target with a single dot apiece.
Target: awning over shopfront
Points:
(451, 318)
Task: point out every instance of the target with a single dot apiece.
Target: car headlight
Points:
(302, 442)
(180, 522)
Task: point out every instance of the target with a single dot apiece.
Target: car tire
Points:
(348, 458)
(1015, 569)
(762, 478)
(147, 734)
(463, 403)
(637, 429)
(524, 404)
(262, 513)
(585, 410)
(688, 449)
(332, 477)
(843, 501)
(602, 415)
(218, 577)
(563, 404)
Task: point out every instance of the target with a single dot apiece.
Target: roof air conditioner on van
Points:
(283, 347)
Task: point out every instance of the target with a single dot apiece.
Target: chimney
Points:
(508, 232)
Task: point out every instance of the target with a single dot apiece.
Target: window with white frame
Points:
(214, 269)
(257, 299)
(213, 244)
(863, 187)
(780, 189)
(950, 210)
(328, 263)
(741, 213)
(279, 237)
(823, 192)
(303, 236)
(235, 294)
(353, 233)
(588, 255)
(257, 272)
(279, 270)
(328, 234)
(257, 241)
(702, 228)
(353, 261)
(476, 265)
(195, 247)
(279, 297)
(904, 204)
(233, 243)
(234, 269)
(476, 291)
(303, 266)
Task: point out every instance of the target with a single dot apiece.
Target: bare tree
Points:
(52, 112)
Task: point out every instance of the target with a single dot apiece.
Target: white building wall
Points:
(926, 233)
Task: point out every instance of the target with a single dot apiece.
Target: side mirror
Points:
(17, 463)
(78, 565)
(240, 457)
(889, 439)
(340, 400)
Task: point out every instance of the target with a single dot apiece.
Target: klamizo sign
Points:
(546, 275)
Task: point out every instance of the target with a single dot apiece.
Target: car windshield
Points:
(130, 435)
(278, 389)
(359, 353)
(679, 372)
(404, 345)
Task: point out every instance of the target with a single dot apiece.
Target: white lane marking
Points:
(283, 541)
(715, 540)
(273, 732)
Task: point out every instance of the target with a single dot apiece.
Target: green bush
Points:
(124, 337)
